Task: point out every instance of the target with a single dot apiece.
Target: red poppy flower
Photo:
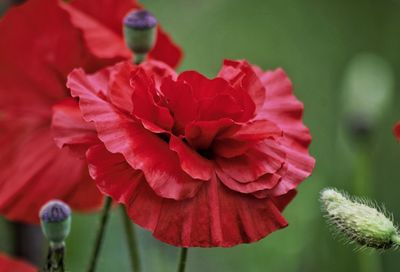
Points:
(8, 264)
(41, 42)
(197, 161)
(396, 130)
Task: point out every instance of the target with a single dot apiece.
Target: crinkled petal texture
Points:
(396, 130)
(197, 161)
(8, 264)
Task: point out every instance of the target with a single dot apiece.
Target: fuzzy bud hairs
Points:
(358, 221)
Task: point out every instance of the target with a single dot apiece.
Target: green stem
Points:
(363, 173)
(55, 259)
(138, 58)
(132, 241)
(363, 186)
(100, 234)
(182, 259)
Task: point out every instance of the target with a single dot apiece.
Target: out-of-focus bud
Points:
(140, 33)
(367, 90)
(358, 221)
(55, 218)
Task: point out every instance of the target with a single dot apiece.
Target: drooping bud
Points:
(140, 32)
(359, 222)
(55, 218)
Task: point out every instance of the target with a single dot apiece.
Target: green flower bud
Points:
(358, 221)
(55, 219)
(140, 32)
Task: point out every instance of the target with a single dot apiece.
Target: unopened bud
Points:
(55, 218)
(358, 221)
(140, 32)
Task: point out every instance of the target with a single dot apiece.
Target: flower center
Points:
(206, 153)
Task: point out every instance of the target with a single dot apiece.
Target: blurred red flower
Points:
(41, 42)
(8, 264)
(396, 130)
(198, 161)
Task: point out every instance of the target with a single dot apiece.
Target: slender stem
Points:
(55, 259)
(100, 234)
(182, 259)
(138, 58)
(49, 260)
(59, 258)
(363, 185)
(132, 241)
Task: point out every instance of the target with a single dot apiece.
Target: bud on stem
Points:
(140, 33)
(358, 221)
(55, 219)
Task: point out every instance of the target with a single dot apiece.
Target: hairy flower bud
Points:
(358, 221)
(55, 218)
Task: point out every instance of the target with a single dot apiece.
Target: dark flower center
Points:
(206, 153)
(164, 136)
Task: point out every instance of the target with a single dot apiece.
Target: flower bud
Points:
(55, 218)
(358, 221)
(140, 32)
(368, 87)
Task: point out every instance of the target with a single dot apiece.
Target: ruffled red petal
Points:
(217, 98)
(122, 134)
(299, 166)
(283, 108)
(101, 25)
(191, 162)
(181, 103)
(241, 75)
(265, 182)
(201, 134)
(282, 201)
(396, 130)
(69, 128)
(154, 117)
(238, 140)
(8, 264)
(216, 216)
(266, 157)
(120, 91)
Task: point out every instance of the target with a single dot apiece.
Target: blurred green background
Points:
(329, 49)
